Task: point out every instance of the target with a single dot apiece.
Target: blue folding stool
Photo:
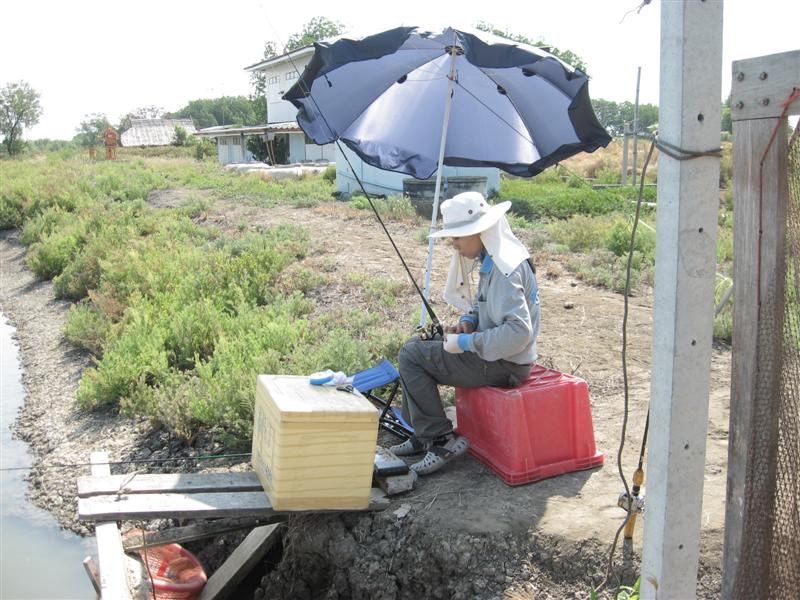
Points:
(381, 375)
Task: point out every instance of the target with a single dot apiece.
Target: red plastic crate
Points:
(539, 429)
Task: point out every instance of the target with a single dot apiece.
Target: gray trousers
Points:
(425, 364)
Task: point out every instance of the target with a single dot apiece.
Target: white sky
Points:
(112, 56)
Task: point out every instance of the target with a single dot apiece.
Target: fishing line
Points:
(436, 327)
(129, 462)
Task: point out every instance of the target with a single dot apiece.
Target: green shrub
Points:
(11, 212)
(181, 318)
(391, 207)
(137, 356)
(384, 291)
(329, 174)
(44, 224)
(618, 239)
(723, 322)
(608, 176)
(724, 245)
(87, 327)
(304, 280)
(605, 269)
(48, 257)
(555, 200)
(579, 233)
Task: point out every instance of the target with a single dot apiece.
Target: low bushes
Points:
(179, 317)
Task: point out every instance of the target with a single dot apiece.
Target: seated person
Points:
(494, 342)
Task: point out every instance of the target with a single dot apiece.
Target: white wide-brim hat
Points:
(468, 213)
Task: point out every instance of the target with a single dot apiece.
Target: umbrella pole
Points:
(445, 122)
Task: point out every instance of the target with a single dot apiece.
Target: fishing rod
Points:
(435, 329)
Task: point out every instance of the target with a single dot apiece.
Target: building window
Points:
(291, 75)
(274, 79)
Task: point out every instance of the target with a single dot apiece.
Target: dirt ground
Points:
(461, 533)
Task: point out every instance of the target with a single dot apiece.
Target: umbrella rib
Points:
(491, 110)
(358, 116)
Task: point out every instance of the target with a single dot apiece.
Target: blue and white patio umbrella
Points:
(410, 101)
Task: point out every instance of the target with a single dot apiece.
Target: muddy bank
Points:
(464, 532)
(58, 432)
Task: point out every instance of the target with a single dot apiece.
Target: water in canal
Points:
(37, 559)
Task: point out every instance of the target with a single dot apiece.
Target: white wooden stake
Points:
(688, 199)
(423, 314)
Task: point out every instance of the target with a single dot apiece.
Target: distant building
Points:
(286, 142)
(281, 73)
(154, 132)
(283, 132)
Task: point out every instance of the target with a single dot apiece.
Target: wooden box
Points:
(313, 446)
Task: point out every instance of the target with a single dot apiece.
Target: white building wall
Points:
(326, 152)
(378, 181)
(279, 79)
(297, 147)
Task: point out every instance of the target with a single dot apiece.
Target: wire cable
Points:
(625, 311)
(129, 462)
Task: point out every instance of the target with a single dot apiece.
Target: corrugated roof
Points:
(154, 132)
(228, 130)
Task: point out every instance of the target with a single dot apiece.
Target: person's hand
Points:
(464, 327)
(451, 344)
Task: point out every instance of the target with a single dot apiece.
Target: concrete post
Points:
(689, 117)
(625, 132)
(636, 125)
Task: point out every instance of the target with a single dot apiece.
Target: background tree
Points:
(258, 147)
(19, 108)
(90, 131)
(567, 56)
(316, 29)
(227, 110)
(181, 137)
(143, 112)
(258, 83)
(613, 115)
(727, 123)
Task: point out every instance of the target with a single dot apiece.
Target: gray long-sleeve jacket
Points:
(505, 315)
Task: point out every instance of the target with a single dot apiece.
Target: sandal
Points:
(437, 456)
(410, 447)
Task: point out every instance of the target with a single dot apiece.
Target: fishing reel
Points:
(434, 331)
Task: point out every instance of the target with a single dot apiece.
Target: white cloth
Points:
(451, 343)
(458, 288)
(501, 245)
(329, 377)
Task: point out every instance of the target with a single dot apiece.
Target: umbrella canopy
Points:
(514, 107)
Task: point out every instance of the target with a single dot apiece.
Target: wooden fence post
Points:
(760, 85)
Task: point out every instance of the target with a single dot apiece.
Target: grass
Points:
(181, 317)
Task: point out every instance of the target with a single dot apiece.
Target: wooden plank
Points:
(113, 579)
(182, 483)
(761, 85)
(759, 295)
(93, 572)
(182, 506)
(239, 564)
(198, 531)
